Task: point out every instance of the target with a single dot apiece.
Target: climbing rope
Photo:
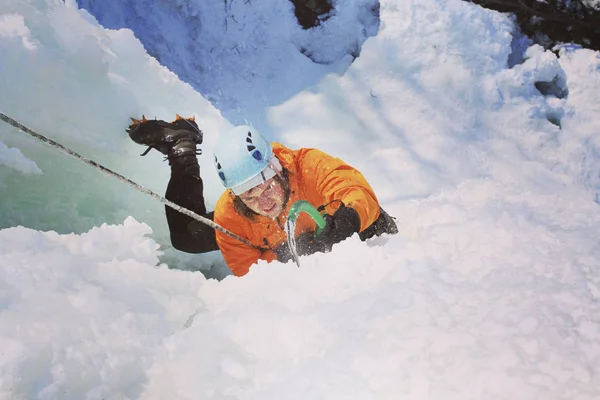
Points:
(136, 186)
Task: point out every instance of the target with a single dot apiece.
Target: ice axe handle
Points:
(304, 206)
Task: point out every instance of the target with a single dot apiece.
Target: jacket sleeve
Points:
(238, 256)
(328, 179)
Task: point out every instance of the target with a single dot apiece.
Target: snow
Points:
(490, 290)
(13, 158)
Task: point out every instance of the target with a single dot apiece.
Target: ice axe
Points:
(301, 206)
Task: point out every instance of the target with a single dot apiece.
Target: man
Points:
(263, 181)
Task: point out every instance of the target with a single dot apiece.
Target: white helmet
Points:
(244, 159)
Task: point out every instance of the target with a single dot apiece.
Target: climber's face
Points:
(267, 199)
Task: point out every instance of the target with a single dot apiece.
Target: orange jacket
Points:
(313, 176)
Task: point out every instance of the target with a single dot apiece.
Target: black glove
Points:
(283, 250)
(341, 225)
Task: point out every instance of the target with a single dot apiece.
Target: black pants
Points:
(187, 190)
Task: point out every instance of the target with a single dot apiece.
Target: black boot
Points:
(173, 139)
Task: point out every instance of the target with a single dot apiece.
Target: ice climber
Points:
(262, 180)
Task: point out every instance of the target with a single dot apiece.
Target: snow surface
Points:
(224, 48)
(490, 290)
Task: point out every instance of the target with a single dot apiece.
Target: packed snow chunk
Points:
(13, 29)
(81, 315)
(12, 157)
(347, 27)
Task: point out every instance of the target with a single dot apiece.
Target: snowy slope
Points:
(490, 290)
(223, 49)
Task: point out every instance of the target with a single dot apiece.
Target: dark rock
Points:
(311, 13)
(553, 22)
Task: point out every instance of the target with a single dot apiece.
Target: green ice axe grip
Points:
(304, 206)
